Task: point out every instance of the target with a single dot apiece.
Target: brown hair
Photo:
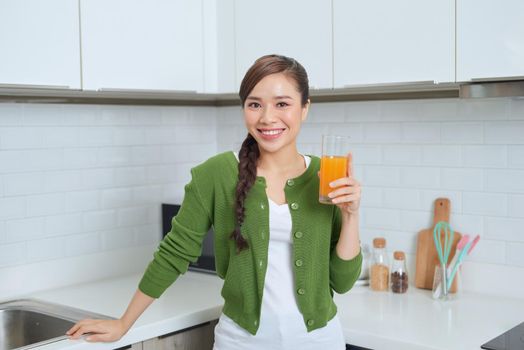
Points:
(249, 152)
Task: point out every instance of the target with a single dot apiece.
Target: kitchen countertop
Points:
(369, 319)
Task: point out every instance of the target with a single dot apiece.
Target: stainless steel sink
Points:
(27, 323)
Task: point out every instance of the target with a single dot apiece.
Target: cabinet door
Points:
(383, 41)
(200, 337)
(39, 42)
(136, 44)
(490, 39)
(297, 28)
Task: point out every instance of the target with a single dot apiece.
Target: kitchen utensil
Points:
(467, 250)
(427, 256)
(437, 289)
(443, 232)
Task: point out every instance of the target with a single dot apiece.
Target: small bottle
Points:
(399, 273)
(379, 270)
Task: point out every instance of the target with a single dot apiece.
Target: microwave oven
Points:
(206, 261)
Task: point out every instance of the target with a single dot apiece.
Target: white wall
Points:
(81, 186)
(408, 153)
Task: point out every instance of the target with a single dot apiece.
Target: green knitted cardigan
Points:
(209, 200)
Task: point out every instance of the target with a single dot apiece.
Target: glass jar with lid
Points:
(379, 267)
(399, 273)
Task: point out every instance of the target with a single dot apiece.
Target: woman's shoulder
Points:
(217, 163)
(221, 159)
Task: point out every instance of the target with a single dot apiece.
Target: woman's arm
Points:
(112, 330)
(348, 245)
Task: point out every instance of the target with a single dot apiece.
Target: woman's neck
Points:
(283, 161)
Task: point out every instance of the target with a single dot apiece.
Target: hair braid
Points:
(247, 174)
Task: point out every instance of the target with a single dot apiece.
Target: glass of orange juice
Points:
(333, 164)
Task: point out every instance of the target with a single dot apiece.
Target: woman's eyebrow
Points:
(279, 97)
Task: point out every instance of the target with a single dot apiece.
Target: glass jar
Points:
(399, 273)
(378, 269)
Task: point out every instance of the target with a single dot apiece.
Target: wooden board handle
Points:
(442, 210)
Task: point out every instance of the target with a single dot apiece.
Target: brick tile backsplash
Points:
(504, 228)
(516, 156)
(514, 254)
(480, 156)
(493, 204)
(516, 206)
(83, 179)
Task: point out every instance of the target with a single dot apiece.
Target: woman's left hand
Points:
(346, 196)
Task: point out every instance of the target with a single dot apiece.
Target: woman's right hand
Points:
(98, 330)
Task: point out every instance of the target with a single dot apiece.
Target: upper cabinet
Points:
(383, 41)
(208, 45)
(143, 45)
(490, 39)
(40, 43)
(301, 29)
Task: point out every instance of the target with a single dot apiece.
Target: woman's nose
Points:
(267, 115)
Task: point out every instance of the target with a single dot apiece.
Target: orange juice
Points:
(331, 168)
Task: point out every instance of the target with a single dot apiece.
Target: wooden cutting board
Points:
(427, 256)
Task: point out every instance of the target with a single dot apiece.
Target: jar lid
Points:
(379, 242)
(398, 255)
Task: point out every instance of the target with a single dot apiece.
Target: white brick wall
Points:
(408, 153)
(77, 180)
(84, 179)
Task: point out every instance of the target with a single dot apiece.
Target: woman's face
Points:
(273, 112)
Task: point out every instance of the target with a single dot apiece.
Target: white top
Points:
(281, 323)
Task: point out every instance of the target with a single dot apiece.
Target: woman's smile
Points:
(271, 134)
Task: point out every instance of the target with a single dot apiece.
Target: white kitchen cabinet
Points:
(39, 43)
(225, 57)
(383, 41)
(298, 28)
(142, 45)
(135, 346)
(490, 39)
(200, 337)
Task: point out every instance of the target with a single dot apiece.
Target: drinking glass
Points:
(333, 164)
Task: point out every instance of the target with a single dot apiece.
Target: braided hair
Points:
(249, 152)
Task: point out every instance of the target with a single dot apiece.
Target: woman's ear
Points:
(305, 110)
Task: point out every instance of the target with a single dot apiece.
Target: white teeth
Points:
(271, 132)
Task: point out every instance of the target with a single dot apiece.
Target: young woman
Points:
(280, 252)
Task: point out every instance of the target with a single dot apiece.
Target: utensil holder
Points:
(440, 277)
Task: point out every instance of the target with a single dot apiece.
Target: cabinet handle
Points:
(378, 85)
(34, 86)
(490, 79)
(153, 91)
(124, 347)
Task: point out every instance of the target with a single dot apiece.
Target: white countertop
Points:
(369, 319)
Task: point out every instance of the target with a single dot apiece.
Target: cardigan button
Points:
(290, 182)
(298, 234)
(262, 206)
(298, 262)
(310, 322)
(301, 291)
(294, 206)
